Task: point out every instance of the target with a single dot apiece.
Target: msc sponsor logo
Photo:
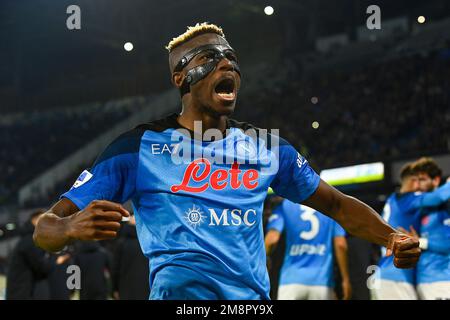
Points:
(234, 217)
(194, 216)
(225, 217)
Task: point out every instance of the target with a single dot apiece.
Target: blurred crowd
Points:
(387, 110)
(34, 142)
(114, 269)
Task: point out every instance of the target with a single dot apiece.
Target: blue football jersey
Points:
(308, 258)
(405, 210)
(434, 263)
(198, 204)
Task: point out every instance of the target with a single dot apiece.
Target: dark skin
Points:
(100, 220)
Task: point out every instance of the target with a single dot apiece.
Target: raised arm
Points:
(435, 198)
(360, 220)
(64, 223)
(90, 210)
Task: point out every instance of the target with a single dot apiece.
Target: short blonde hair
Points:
(192, 32)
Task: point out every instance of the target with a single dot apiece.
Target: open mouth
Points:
(225, 89)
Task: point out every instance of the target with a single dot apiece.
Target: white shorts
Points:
(434, 290)
(302, 292)
(394, 290)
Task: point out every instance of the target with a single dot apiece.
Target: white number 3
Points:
(309, 216)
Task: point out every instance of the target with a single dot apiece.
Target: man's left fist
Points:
(405, 249)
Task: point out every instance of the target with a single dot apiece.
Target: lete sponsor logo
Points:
(199, 171)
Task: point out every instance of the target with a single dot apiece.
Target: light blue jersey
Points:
(434, 263)
(199, 217)
(405, 210)
(308, 259)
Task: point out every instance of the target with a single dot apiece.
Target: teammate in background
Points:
(402, 210)
(433, 269)
(307, 271)
(199, 220)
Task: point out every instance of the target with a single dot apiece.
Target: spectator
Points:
(29, 267)
(130, 267)
(93, 261)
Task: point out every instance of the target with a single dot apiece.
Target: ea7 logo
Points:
(164, 148)
(234, 217)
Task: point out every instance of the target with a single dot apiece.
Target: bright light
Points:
(314, 100)
(421, 19)
(10, 226)
(128, 46)
(268, 10)
(315, 125)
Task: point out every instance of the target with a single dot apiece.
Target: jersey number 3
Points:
(309, 216)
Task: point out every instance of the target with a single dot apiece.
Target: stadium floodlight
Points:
(421, 19)
(128, 46)
(269, 10)
(10, 226)
(360, 173)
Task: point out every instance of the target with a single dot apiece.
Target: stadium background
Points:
(341, 93)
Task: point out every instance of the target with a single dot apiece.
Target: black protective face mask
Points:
(214, 53)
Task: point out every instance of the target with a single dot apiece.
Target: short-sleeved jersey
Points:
(308, 258)
(198, 203)
(434, 263)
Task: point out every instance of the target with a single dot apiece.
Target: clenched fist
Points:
(100, 220)
(405, 249)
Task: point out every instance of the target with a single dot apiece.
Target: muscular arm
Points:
(362, 221)
(353, 215)
(64, 223)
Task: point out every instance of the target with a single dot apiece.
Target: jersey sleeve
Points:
(439, 242)
(295, 179)
(338, 230)
(276, 220)
(434, 198)
(113, 175)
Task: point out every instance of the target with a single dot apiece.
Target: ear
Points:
(177, 78)
(437, 181)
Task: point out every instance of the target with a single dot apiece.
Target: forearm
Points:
(362, 221)
(51, 232)
(342, 262)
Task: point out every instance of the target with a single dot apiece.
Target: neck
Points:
(209, 120)
(404, 190)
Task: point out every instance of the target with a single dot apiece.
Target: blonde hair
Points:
(192, 32)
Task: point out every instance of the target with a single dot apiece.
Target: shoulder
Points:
(129, 142)
(161, 124)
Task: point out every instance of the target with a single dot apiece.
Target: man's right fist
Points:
(100, 220)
